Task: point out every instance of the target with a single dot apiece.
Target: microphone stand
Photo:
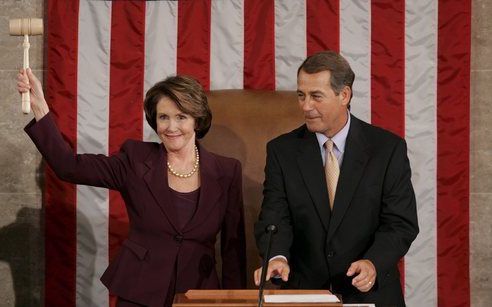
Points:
(271, 230)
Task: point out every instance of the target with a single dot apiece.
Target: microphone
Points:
(270, 230)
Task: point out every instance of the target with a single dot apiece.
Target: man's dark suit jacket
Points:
(142, 270)
(374, 215)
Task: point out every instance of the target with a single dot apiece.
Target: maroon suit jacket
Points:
(155, 247)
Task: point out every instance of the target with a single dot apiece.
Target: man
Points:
(339, 191)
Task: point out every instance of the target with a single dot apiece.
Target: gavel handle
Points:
(26, 98)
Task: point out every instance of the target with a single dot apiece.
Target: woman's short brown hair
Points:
(188, 95)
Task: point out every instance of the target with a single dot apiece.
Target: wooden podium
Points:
(234, 298)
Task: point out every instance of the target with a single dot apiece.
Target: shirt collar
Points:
(338, 139)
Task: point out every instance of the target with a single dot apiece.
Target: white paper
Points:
(301, 298)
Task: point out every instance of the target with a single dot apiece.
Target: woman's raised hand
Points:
(27, 82)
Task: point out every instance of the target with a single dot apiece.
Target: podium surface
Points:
(234, 298)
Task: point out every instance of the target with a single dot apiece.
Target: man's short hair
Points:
(340, 71)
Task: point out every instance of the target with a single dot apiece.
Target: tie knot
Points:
(329, 145)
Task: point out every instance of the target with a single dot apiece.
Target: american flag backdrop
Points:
(412, 64)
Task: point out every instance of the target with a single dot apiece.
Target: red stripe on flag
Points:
(388, 71)
(193, 54)
(259, 44)
(453, 128)
(388, 65)
(60, 197)
(322, 25)
(126, 95)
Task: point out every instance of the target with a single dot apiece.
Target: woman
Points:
(178, 196)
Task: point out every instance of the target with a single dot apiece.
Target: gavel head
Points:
(26, 26)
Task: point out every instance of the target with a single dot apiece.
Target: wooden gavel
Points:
(25, 27)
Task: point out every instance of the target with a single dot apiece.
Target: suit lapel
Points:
(311, 168)
(156, 180)
(210, 189)
(354, 162)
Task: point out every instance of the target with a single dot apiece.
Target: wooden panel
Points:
(243, 122)
(233, 298)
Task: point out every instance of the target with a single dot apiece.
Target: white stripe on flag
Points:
(92, 137)
(420, 131)
(290, 42)
(227, 44)
(161, 32)
(355, 46)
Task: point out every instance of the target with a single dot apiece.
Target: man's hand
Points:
(278, 266)
(366, 274)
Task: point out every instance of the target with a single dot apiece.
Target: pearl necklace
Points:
(196, 166)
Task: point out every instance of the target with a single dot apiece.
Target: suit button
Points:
(178, 238)
(330, 254)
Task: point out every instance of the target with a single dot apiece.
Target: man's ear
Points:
(345, 95)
